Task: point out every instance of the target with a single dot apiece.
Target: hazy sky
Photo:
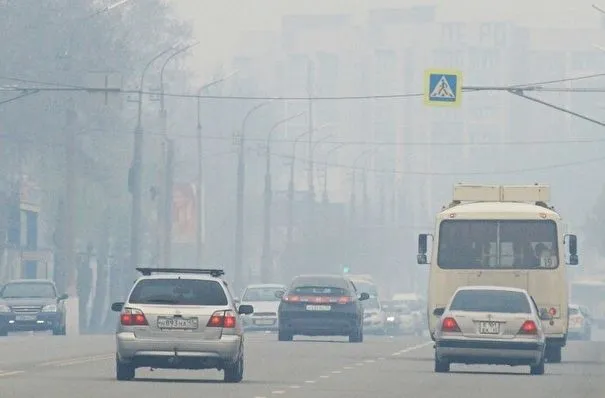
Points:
(218, 24)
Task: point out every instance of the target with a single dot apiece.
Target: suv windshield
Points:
(178, 292)
(491, 301)
(29, 290)
(262, 294)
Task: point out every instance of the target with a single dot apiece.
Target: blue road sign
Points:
(443, 87)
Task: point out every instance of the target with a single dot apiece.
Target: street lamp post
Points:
(291, 190)
(165, 230)
(325, 193)
(239, 206)
(353, 197)
(136, 171)
(266, 273)
(200, 167)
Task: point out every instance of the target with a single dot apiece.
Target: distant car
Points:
(265, 300)
(490, 325)
(321, 305)
(374, 317)
(180, 319)
(32, 305)
(399, 319)
(580, 323)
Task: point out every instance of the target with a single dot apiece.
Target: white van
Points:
(503, 236)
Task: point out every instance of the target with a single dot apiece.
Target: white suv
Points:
(180, 319)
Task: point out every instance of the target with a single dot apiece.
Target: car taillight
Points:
(528, 327)
(449, 325)
(552, 311)
(291, 299)
(222, 319)
(344, 300)
(133, 317)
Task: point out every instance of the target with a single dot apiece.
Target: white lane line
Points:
(381, 359)
(395, 354)
(294, 387)
(348, 367)
(310, 381)
(370, 361)
(76, 360)
(336, 372)
(278, 392)
(416, 347)
(16, 372)
(359, 364)
(323, 377)
(84, 360)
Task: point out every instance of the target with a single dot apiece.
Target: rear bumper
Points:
(490, 351)
(303, 323)
(40, 321)
(164, 353)
(252, 323)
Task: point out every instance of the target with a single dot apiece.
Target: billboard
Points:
(184, 214)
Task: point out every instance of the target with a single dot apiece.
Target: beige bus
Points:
(503, 236)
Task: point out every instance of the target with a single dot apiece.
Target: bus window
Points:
(480, 244)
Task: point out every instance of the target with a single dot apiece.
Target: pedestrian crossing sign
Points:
(442, 87)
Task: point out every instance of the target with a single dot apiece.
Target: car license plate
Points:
(489, 327)
(264, 322)
(25, 318)
(318, 308)
(177, 323)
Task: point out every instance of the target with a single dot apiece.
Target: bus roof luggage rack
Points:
(537, 193)
(200, 271)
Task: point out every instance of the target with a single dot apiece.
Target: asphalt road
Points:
(382, 367)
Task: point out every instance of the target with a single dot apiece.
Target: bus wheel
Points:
(553, 354)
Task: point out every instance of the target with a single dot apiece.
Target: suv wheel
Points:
(234, 373)
(356, 336)
(124, 372)
(59, 331)
(284, 336)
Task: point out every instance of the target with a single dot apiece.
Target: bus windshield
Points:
(499, 244)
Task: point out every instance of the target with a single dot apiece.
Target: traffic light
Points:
(345, 269)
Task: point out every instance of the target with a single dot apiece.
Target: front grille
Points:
(26, 309)
(265, 314)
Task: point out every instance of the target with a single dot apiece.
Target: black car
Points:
(31, 305)
(321, 305)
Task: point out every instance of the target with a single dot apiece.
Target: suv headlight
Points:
(50, 308)
(4, 308)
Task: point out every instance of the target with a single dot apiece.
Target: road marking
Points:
(381, 359)
(278, 392)
(416, 347)
(395, 354)
(348, 367)
(359, 364)
(310, 381)
(16, 372)
(323, 377)
(294, 387)
(336, 372)
(370, 361)
(73, 361)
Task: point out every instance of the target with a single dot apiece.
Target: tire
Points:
(234, 373)
(553, 354)
(124, 372)
(59, 331)
(356, 336)
(284, 336)
(538, 369)
(441, 366)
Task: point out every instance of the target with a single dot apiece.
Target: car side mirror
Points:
(117, 307)
(422, 258)
(245, 309)
(438, 311)
(279, 294)
(364, 296)
(545, 315)
(572, 249)
(62, 297)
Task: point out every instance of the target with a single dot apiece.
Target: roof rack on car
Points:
(212, 272)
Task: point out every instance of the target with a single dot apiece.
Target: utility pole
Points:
(239, 205)
(365, 199)
(325, 193)
(290, 231)
(168, 202)
(136, 173)
(266, 258)
(70, 202)
(310, 177)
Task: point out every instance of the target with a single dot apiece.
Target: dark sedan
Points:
(321, 305)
